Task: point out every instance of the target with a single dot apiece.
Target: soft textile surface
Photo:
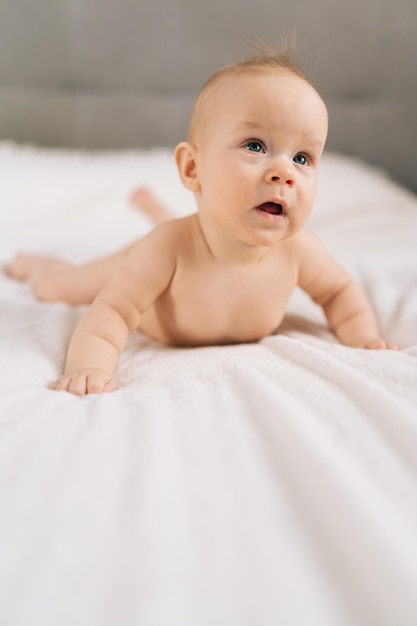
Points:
(262, 484)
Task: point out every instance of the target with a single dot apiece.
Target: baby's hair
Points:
(269, 57)
(262, 59)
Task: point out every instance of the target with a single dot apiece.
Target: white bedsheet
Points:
(256, 485)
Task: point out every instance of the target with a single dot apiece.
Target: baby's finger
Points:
(381, 344)
(110, 386)
(61, 384)
(96, 383)
(376, 344)
(78, 385)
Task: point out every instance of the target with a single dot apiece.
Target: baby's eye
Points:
(254, 146)
(301, 159)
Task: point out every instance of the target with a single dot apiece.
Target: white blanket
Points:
(254, 485)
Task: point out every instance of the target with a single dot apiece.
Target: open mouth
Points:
(273, 208)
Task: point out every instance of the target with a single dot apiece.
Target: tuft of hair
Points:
(263, 57)
(269, 56)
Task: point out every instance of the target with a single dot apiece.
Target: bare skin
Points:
(146, 201)
(225, 274)
(55, 280)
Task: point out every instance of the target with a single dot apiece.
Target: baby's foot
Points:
(24, 266)
(44, 273)
(144, 200)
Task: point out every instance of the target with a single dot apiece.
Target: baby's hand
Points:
(84, 381)
(377, 343)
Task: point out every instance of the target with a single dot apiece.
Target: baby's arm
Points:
(98, 340)
(101, 334)
(345, 305)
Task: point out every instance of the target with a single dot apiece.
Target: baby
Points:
(223, 275)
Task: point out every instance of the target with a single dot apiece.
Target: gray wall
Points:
(124, 73)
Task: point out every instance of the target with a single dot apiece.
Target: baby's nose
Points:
(282, 173)
(284, 180)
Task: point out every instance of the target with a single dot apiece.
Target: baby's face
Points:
(259, 154)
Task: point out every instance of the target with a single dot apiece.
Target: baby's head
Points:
(264, 61)
(256, 136)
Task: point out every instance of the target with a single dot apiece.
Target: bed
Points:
(271, 484)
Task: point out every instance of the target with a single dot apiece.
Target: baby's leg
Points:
(145, 201)
(55, 280)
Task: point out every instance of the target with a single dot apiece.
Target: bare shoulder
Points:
(304, 244)
(170, 231)
(305, 250)
(318, 272)
(150, 264)
(164, 241)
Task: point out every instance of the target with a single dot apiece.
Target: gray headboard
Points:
(124, 73)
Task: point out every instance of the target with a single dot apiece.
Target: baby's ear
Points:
(186, 160)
